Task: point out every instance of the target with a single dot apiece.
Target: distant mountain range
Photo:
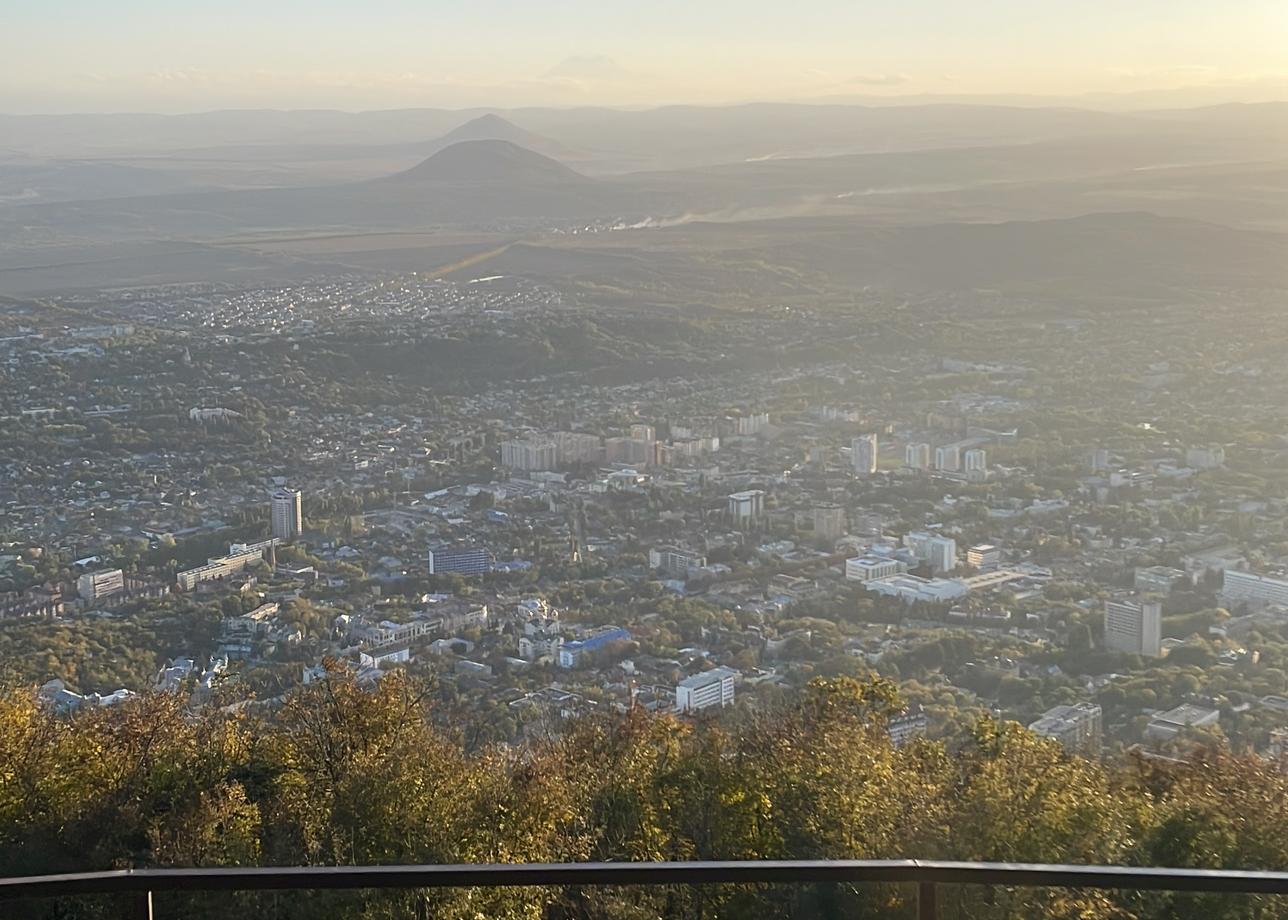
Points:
(912, 196)
(320, 144)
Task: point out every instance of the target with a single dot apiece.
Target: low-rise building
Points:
(1157, 579)
(386, 655)
(1166, 726)
(676, 563)
(871, 567)
(912, 589)
(573, 653)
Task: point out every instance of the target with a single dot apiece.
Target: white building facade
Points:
(706, 690)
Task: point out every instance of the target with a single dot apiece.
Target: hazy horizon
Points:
(143, 56)
(587, 433)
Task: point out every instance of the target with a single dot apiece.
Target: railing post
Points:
(927, 906)
(142, 906)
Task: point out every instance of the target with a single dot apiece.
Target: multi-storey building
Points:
(529, 455)
(1250, 588)
(948, 459)
(983, 556)
(632, 451)
(1077, 727)
(93, 586)
(1134, 625)
(219, 568)
(829, 520)
(540, 645)
(869, 568)
(938, 552)
(676, 563)
(573, 653)
(747, 507)
(575, 447)
(288, 514)
(462, 560)
(863, 454)
(705, 690)
(917, 456)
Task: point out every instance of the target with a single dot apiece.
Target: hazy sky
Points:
(183, 55)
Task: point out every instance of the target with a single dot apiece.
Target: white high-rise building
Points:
(288, 514)
(1135, 626)
(747, 507)
(939, 552)
(917, 456)
(576, 447)
(529, 456)
(942, 554)
(863, 454)
(948, 459)
(975, 460)
(638, 452)
(704, 690)
(829, 520)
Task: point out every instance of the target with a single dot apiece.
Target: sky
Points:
(168, 56)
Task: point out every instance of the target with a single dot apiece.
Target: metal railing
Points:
(927, 875)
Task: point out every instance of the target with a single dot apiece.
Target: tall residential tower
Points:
(863, 454)
(288, 514)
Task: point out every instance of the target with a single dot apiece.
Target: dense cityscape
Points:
(182, 512)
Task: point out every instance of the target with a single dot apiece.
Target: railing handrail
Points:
(920, 871)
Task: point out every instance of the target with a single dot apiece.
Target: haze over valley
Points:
(435, 437)
(234, 191)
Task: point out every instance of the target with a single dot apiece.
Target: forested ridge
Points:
(341, 775)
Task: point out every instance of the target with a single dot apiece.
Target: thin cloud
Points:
(879, 79)
(1185, 71)
(588, 68)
